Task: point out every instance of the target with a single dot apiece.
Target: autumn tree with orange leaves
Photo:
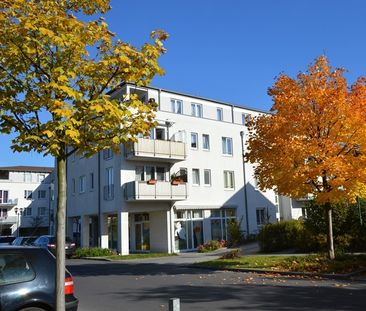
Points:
(314, 140)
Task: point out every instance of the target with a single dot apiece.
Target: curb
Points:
(307, 274)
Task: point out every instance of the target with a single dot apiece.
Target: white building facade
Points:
(26, 204)
(128, 201)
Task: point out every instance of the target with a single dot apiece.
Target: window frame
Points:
(225, 146)
(176, 106)
(198, 177)
(219, 114)
(196, 110)
(229, 185)
(208, 142)
(193, 134)
(209, 177)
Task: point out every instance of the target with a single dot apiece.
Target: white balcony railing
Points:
(167, 150)
(9, 202)
(160, 191)
(8, 220)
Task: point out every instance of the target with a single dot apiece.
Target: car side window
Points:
(14, 268)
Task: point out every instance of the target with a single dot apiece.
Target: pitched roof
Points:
(33, 169)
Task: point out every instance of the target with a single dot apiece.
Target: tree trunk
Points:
(60, 234)
(330, 232)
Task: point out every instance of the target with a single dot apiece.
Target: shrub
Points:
(93, 252)
(235, 235)
(280, 236)
(211, 246)
(231, 255)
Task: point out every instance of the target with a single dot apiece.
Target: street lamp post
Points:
(18, 212)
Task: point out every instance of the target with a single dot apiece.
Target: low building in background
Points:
(26, 200)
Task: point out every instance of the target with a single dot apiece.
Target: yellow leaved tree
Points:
(57, 65)
(314, 141)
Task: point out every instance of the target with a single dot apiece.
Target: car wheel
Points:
(32, 309)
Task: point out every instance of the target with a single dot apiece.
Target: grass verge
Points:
(138, 256)
(309, 263)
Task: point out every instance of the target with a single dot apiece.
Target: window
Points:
(28, 194)
(227, 146)
(4, 194)
(82, 184)
(107, 154)
(219, 114)
(183, 174)
(109, 187)
(228, 179)
(245, 118)
(41, 177)
(41, 194)
(205, 142)
(261, 217)
(139, 173)
(27, 177)
(42, 211)
(27, 211)
(176, 106)
(219, 222)
(194, 140)
(3, 213)
(15, 269)
(160, 173)
(4, 174)
(196, 110)
(196, 176)
(150, 172)
(73, 185)
(207, 177)
(91, 176)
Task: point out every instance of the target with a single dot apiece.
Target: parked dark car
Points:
(27, 280)
(24, 240)
(49, 242)
(6, 240)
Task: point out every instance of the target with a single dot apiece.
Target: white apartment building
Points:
(26, 200)
(128, 202)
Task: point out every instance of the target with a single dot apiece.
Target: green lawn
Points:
(138, 256)
(309, 263)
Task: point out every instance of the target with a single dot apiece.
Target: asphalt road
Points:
(147, 286)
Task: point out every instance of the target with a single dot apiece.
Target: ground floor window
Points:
(188, 227)
(219, 222)
(142, 232)
(112, 222)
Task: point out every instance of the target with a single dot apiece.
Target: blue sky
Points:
(232, 50)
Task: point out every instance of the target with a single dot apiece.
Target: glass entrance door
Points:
(142, 232)
(188, 230)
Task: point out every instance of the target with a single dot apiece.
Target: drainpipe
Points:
(159, 91)
(232, 113)
(99, 206)
(245, 183)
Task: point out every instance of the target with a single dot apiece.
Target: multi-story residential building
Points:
(128, 200)
(26, 200)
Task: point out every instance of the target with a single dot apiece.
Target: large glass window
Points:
(188, 229)
(194, 140)
(176, 106)
(219, 222)
(227, 146)
(196, 110)
(205, 142)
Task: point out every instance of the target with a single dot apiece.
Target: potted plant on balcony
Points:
(151, 181)
(175, 179)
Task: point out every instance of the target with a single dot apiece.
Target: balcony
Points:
(8, 220)
(160, 191)
(9, 203)
(157, 150)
